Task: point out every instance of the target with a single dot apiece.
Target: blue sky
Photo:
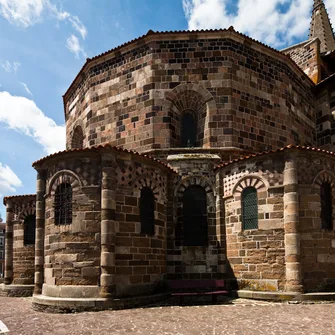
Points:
(44, 43)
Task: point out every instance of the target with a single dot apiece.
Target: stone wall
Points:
(193, 262)
(20, 262)
(256, 258)
(134, 97)
(325, 122)
(317, 244)
(140, 258)
(2, 248)
(103, 250)
(72, 252)
(307, 56)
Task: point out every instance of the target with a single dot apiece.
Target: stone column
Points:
(220, 223)
(9, 243)
(291, 225)
(40, 221)
(108, 205)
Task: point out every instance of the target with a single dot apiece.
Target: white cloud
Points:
(76, 23)
(8, 66)
(26, 88)
(74, 46)
(26, 13)
(22, 114)
(260, 19)
(8, 180)
(22, 12)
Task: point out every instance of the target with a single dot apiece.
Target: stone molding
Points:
(64, 176)
(199, 181)
(324, 176)
(250, 180)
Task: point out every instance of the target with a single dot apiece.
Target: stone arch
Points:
(64, 176)
(259, 183)
(26, 212)
(192, 98)
(179, 229)
(77, 139)
(145, 181)
(322, 177)
(199, 181)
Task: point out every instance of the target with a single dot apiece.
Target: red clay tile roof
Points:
(264, 153)
(195, 32)
(99, 147)
(17, 197)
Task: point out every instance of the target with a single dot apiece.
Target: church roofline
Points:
(153, 36)
(97, 149)
(301, 44)
(17, 197)
(265, 153)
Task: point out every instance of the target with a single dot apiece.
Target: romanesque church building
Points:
(189, 155)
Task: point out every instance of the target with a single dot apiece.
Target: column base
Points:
(16, 290)
(48, 304)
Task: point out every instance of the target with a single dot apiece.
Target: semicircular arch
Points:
(255, 181)
(64, 176)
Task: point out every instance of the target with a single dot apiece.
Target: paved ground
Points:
(238, 317)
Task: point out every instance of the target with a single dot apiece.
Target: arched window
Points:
(29, 226)
(249, 208)
(326, 206)
(77, 138)
(63, 204)
(188, 131)
(147, 211)
(195, 216)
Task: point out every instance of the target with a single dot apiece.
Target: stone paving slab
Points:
(228, 317)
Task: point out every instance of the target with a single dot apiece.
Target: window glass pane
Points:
(188, 131)
(63, 204)
(147, 211)
(195, 216)
(250, 208)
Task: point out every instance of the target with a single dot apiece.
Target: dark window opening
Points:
(195, 216)
(326, 206)
(249, 208)
(147, 211)
(63, 204)
(188, 131)
(29, 230)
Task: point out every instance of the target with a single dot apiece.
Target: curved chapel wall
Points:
(73, 251)
(243, 95)
(256, 257)
(23, 254)
(317, 243)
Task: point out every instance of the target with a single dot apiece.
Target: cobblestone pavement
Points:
(237, 317)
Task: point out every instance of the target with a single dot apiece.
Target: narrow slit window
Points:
(147, 211)
(188, 131)
(249, 208)
(326, 206)
(63, 204)
(195, 216)
(29, 230)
